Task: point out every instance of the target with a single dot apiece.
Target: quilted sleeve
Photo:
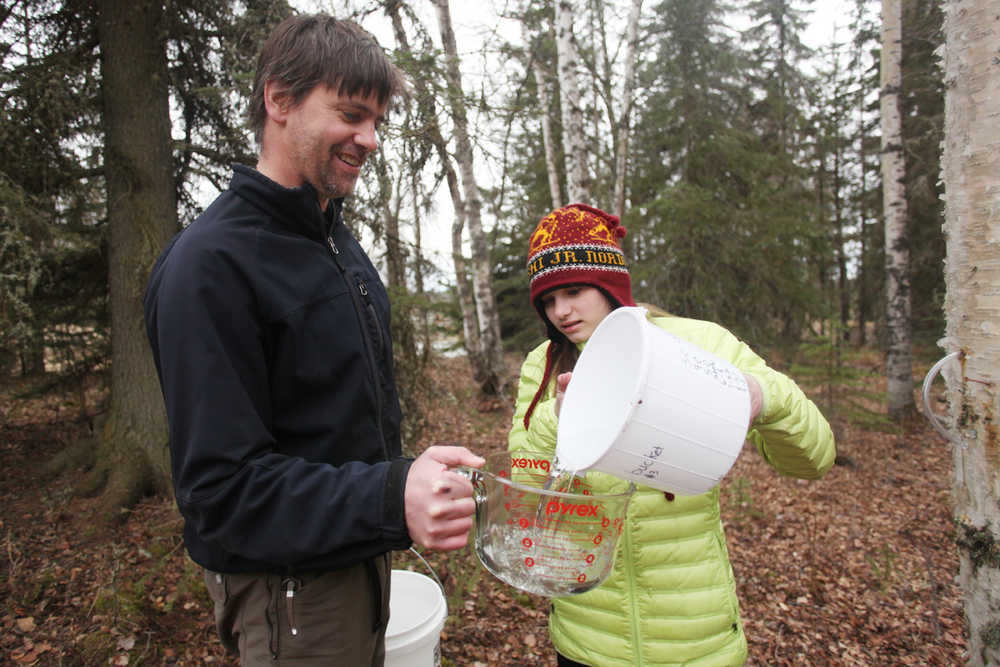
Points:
(790, 433)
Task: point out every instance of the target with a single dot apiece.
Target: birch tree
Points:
(628, 87)
(970, 166)
(492, 373)
(574, 140)
(899, 373)
(869, 271)
(614, 89)
(425, 101)
(544, 84)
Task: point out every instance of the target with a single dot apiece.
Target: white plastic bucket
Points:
(417, 610)
(646, 406)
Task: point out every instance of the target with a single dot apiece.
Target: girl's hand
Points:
(562, 380)
(756, 398)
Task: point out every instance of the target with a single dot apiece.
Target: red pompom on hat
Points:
(575, 245)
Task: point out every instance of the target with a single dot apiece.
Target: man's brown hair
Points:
(308, 50)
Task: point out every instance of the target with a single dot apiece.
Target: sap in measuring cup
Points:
(551, 543)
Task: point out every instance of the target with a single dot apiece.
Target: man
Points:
(270, 330)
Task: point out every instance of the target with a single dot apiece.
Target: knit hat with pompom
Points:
(575, 245)
(578, 245)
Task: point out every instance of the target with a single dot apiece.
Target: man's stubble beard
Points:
(322, 172)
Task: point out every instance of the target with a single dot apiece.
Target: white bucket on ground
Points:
(646, 406)
(417, 610)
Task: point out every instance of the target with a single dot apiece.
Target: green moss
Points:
(96, 648)
(883, 565)
(991, 635)
(159, 549)
(106, 603)
(525, 601)
(979, 544)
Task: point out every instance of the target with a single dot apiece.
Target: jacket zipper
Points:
(291, 585)
(369, 353)
(376, 383)
(630, 578)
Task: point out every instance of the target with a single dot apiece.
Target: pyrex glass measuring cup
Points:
(552, 543)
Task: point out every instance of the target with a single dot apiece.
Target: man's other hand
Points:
(439, 504)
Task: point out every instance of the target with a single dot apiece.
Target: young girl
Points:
(671, 598)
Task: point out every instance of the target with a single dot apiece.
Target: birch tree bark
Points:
(541, 75)
(970, 165)
(899, 371)
(494, 376)
(628, 87)
(574, 140)
(466, 298)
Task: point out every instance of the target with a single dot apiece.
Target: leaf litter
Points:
(858, 568)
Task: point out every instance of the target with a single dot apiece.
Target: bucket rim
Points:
(440, 609)
(639, 315)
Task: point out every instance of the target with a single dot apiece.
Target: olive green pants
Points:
(332, 618)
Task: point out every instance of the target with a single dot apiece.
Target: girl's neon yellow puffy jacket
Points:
(671, 598)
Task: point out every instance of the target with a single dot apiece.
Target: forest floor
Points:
(858, 568)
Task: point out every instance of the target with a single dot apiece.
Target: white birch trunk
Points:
(495, 376)
(628, 87)
(466, 299)
(466, 292)
(545, 98)
(899, 372)
(970, 166)
(574, 140)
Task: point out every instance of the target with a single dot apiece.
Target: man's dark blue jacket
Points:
(270, 330)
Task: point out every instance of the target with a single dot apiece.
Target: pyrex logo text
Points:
(559, 507)
(530, 463)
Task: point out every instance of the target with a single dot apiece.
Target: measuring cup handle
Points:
(471, 474)
(928, 380)
(475, 476)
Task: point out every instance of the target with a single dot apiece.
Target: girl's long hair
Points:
(561, 356)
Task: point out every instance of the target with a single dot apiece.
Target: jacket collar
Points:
(296, 209)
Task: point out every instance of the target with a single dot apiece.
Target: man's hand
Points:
(439, 504)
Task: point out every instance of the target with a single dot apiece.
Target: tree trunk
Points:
(621, 159)
(551, 161)
(971, 162)
(545, 98)
(395, 253)
(494, 372)
(132, 456)
(466, 295)
(424, 319)
(574, 140)
(843, 281)
(407, 361)
(466, 298)
(861, 106)
(899, 372)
